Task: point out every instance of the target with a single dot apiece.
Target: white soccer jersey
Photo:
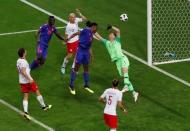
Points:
(112, 97)
(22, 63)
(72, 28)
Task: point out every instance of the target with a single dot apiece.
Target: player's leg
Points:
(25, 102)
(40, 99)
(35, 64)
(124, 65)
(73, 77)
(78, 57)
(73, 65)
(86, 76)
(111, 122)
(25, 106)
(41, 57)
(65, 62)
(71, 50)
(86, 62)
(74, 50)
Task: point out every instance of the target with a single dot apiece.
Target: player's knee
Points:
(85, 68)
(38, 93)
(69, 55)
(77, 66)
(41, 60)
(25, 96)
(124, 70)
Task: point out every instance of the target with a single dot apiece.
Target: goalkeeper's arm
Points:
(98, 36)
(115, 29)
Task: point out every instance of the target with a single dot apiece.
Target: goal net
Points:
(168, 31)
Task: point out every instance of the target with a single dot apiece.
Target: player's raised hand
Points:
(77, 11)
(109, 27)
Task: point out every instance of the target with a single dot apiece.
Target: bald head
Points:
(72, 17)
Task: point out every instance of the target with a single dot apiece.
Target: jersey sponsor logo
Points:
(110, 100)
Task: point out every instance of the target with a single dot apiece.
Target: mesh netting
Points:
(170, 30)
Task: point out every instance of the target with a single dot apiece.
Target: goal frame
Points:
(149, 40)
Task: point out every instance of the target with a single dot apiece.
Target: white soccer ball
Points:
(123, 17)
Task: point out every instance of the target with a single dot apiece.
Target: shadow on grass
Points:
(163, 106)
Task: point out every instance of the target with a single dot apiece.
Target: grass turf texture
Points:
(163, 104)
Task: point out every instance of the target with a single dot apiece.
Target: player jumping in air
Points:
(44, 35)
(72, 44)
(112, 97)
(113, 45)
(27, 83)
(83, 55)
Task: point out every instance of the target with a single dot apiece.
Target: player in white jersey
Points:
(112, 97)
(27, 83)
(72, 44)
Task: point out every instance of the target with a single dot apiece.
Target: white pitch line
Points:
(21, 113)
(158, 69)
(127, 53)
(44, 11)
(25, 31)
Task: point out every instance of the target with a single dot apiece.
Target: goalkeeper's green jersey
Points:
(114, 48)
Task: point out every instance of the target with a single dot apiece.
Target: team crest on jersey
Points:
(50, 31)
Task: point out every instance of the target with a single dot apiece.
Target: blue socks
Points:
(73, 77)
(86, 78)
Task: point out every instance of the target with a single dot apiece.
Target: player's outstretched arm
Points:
(73, 35)
(98, 36)
(81, 15)
(115, 29)
(59, 36)
(121, 106)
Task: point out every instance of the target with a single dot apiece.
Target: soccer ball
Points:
(123, 17)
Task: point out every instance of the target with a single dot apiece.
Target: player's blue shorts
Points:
(42, 51)
(82, 56)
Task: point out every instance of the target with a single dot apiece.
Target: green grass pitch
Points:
(163, 104)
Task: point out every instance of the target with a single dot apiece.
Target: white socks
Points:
(41, 101)
(134, 93)
(25, 106)
(73, 65)
(65, 63)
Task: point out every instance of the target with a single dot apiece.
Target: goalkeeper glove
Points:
(109, 27)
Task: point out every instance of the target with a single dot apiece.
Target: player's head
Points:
(93, 26)
(115, 83)
(111, 36)
(22, 53)
(72, 17)
(51, 20)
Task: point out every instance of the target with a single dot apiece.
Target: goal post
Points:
(168, 31)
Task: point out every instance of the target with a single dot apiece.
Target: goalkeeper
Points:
(113, 45)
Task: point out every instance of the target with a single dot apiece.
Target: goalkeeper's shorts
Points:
(122, 63)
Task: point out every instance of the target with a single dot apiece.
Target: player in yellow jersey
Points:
(113, 46)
